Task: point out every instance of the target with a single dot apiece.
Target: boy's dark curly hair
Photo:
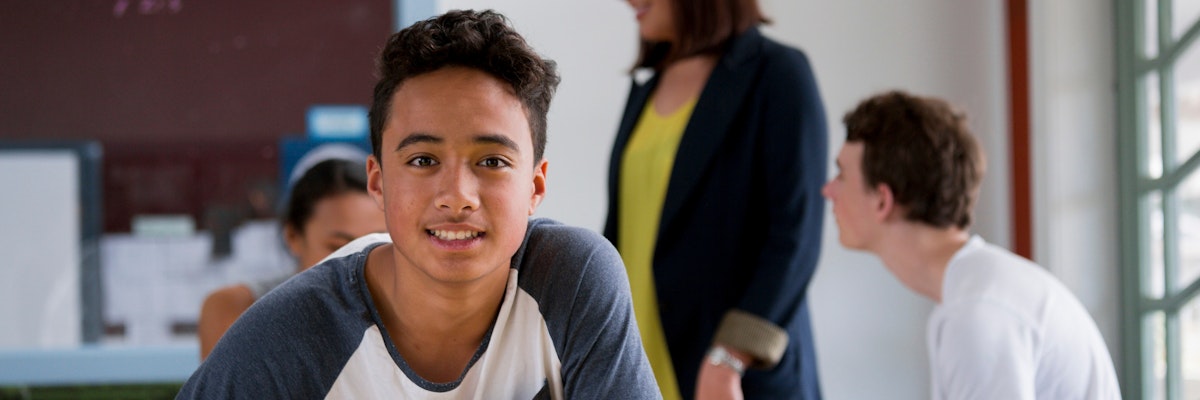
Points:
(476, 39)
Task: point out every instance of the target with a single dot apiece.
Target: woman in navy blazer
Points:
(739, 232)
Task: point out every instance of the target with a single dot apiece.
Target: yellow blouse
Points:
(645, 174)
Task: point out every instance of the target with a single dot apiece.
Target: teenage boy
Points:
(1003, 328)
(466, 296)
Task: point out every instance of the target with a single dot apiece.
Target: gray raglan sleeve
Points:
(592, 317)
(291, 344)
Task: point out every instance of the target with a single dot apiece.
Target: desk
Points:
(90, 365)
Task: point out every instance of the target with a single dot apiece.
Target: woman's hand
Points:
(719, 381)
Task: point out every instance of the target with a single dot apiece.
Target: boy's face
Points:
(854, 205)
(456, 176)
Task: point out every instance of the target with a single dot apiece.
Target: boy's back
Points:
(1007, 329)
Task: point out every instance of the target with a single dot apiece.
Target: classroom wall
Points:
(189, 99)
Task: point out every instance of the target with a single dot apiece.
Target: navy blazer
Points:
(741, 222)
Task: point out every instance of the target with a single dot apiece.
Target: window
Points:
(1158, 70)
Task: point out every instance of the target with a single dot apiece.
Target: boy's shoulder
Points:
(549, 231)
(559, 265)
(551, 246)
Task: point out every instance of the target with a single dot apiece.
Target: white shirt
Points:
(1007, 329)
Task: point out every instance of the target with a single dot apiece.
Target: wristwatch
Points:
(719, 356)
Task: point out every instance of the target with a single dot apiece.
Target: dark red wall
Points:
(188, 97)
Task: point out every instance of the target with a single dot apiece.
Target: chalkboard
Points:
(182, 92)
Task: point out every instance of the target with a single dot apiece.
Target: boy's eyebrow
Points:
(498, 139)
(418, 138)
(481, 139)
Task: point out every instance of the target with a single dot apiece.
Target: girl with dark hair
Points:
(326, 208)
(715, 204)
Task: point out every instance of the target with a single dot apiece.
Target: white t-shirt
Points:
(1007, 329)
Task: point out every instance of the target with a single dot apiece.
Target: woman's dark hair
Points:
(922, 149)
(702, 27)
(325, 179)
(481, 40)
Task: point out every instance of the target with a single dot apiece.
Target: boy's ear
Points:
(539, 185)
(885, 202)
(375, 180)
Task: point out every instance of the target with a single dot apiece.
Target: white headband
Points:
(328, 151)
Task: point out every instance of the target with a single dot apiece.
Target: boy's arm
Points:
(289, 344)
(236, 369)
(604, 357)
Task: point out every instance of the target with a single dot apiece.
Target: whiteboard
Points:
(42, 249)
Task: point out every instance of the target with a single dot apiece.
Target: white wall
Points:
(869, 329)
(1073, 96)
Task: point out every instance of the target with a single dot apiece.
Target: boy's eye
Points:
(493, 162)
(422, 161)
